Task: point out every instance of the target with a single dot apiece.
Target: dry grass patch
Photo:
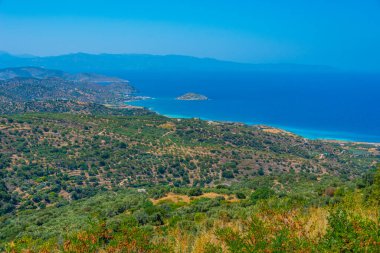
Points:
(177, 198)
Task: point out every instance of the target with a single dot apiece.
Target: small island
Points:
(192, 97)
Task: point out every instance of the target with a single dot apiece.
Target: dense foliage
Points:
(47, 159)
(344, 218)
(106, 180)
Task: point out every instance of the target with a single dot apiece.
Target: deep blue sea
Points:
(340, 106)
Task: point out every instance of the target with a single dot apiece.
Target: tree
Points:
(262, 193)
(228, 174)
(195, 192)
(240, 195)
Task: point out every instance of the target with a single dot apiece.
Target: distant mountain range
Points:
(113, 63)
(42, 73)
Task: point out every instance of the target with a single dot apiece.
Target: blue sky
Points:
(340, 33)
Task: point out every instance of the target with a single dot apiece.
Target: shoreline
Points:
(304, 133)
(284, 130)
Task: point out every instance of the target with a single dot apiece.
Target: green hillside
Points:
(135, 182)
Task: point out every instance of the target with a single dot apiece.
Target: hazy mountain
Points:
(30, 72)
(42, 73)
(105, 63)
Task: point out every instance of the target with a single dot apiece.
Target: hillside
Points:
(86, 182)
(49, 158)
(33, 84)
(68, 106)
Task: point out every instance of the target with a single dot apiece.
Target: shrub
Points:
(262, 193)
(195, 192)
(240, 195)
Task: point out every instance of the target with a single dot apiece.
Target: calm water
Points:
(331, 106)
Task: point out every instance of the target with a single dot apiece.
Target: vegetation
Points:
(282, 221)
(68, 106)
(96, 179)
(39, 84)
(78, 176)
(47, 159)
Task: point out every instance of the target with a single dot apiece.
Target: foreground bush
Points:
(272, 226)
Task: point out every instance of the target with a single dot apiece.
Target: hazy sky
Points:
(340, 33)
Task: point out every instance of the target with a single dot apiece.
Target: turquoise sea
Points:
(340, 106)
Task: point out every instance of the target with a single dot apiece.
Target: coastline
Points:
(282, 129)
(311, 134)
